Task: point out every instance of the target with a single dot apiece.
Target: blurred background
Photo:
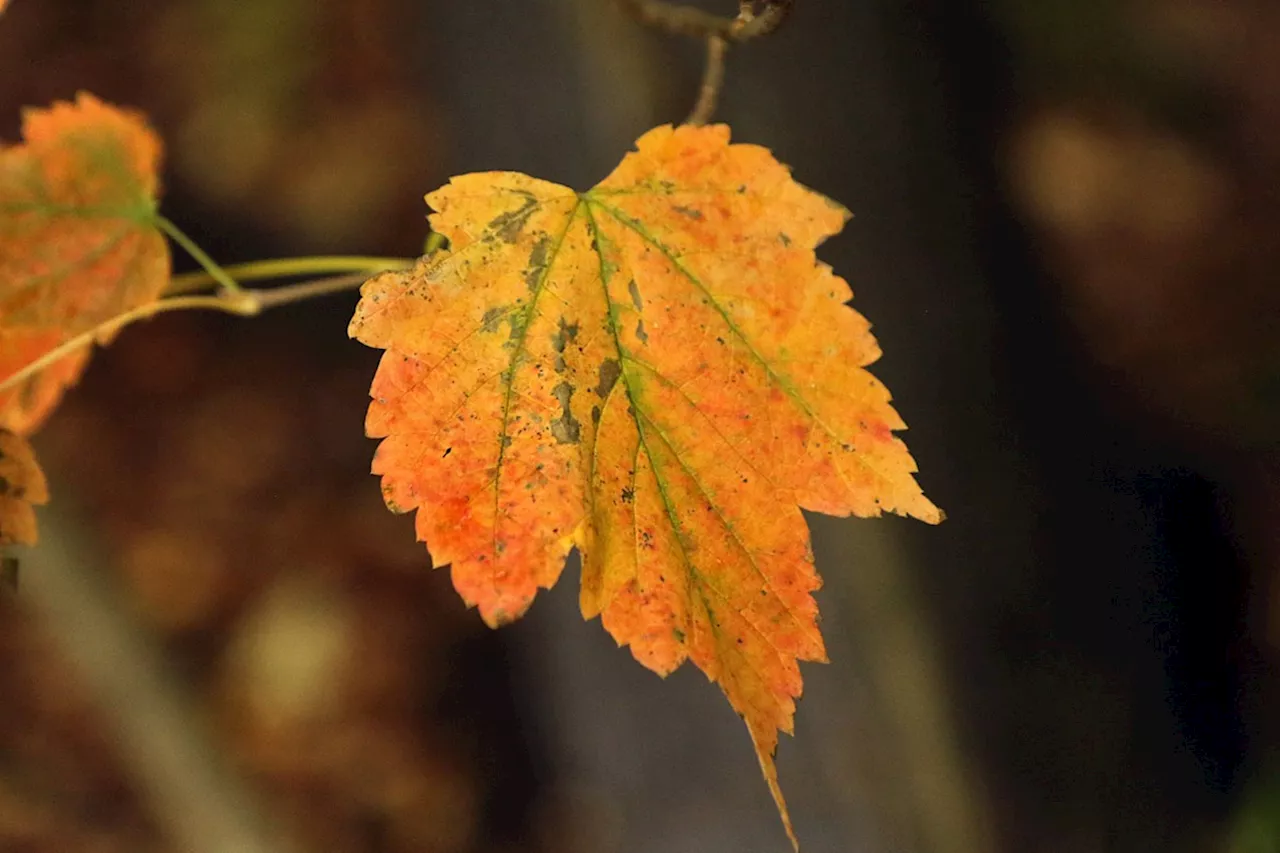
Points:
(1065, 234)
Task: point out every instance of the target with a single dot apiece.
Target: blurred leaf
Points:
(22, 484)
(78, 245)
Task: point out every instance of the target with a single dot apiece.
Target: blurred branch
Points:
(719, 33)
(933, 788)
(688, 21)
(203, 806)
(712, 81)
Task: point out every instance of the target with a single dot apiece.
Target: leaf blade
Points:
(686, 377)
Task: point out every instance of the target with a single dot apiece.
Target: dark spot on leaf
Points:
(609, 372)
(634, 290)
(519, 322)
(565, 429)
(595, 414)
(566, 333)
(628, 495)
(507, 226)
(784, 239)
(489, 322)
(690, 212)
(560, 340)
(447, 451)
(537, 262)
(641, 333)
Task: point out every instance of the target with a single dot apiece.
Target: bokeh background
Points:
(1065, 235)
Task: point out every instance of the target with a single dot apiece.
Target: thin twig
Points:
(317, 265)
(277, 296)
(689, 21)
(774, 14)
(718, 32)
(246, 302)
(712, 82)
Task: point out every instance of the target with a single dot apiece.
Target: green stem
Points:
(242, 303)
(312, 265)
(217, 273)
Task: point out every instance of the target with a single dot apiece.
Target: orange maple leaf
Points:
(657, 371)
(79, 242)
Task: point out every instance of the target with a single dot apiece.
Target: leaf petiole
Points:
(313, 265)
(215, 272)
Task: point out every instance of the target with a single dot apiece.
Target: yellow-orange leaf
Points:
(78, 239)
(22, 484)
(657, 371)
(78, 243)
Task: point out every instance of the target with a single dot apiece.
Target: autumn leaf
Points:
(79, 244)
(22, 484)
(658, 372)
(78, 235)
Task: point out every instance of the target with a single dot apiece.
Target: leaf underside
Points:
(657, 372)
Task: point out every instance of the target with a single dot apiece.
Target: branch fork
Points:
(718, 32)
